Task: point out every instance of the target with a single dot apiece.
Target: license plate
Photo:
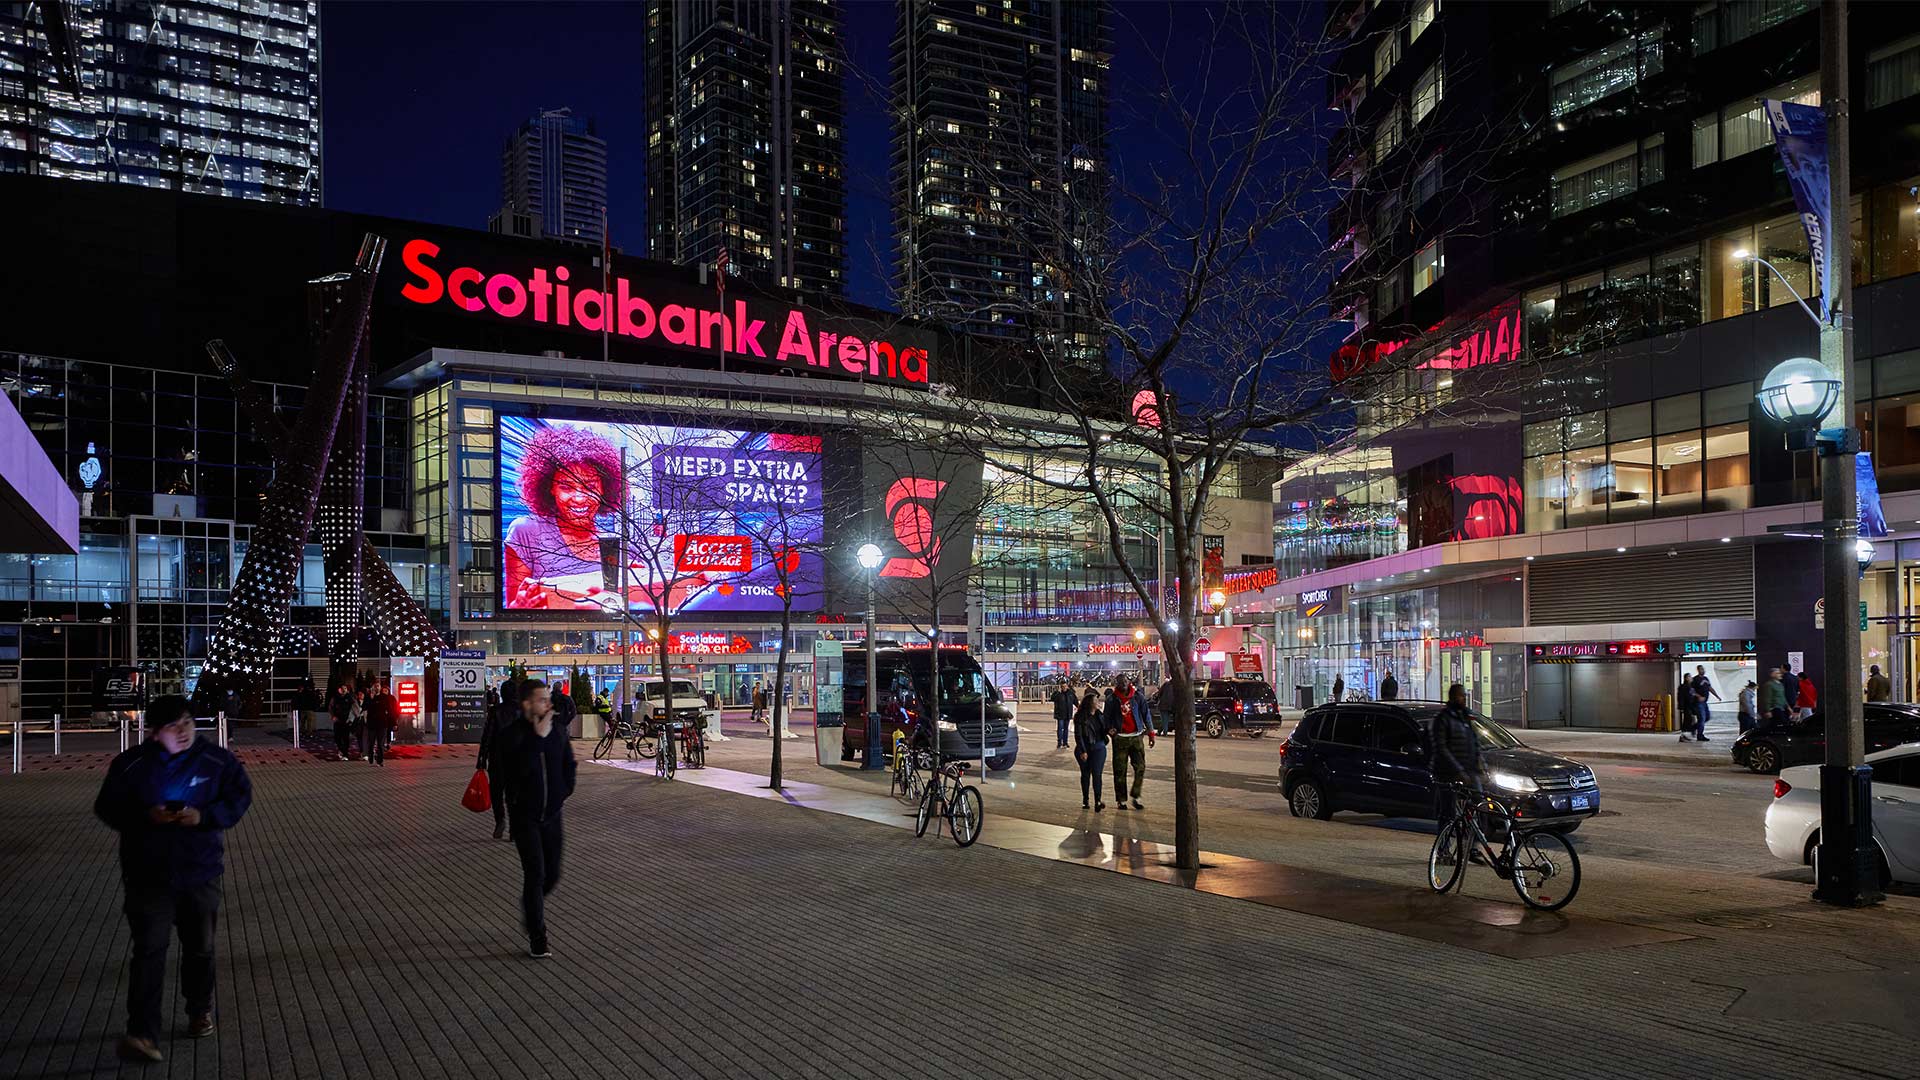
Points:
(1583, 802)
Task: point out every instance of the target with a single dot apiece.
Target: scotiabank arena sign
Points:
(670, 314)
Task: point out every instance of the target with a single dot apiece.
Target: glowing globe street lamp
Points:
(1798, 394)
(871, 557)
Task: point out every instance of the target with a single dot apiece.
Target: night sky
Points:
(420, 98)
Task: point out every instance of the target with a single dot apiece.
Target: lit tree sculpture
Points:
(306, 464)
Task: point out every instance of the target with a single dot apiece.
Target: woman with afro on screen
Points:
(569, 478)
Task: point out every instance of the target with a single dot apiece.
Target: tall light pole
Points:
(1846, 867)
(870, 559)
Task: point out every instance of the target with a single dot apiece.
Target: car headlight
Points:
(1507, 781)
(946, 725)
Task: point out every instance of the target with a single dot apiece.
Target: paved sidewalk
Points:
(369, 930)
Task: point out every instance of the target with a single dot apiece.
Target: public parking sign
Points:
(463, 694)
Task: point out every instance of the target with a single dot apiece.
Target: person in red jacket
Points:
(1809, 697)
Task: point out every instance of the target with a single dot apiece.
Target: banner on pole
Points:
(1800, 133)
(1866, 489)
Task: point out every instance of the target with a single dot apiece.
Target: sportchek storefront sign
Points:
(569, 297)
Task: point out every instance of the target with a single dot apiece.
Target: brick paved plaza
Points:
(370, 929)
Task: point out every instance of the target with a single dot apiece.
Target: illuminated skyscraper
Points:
(745, 100)
(220, 97)
(998, 108)
(553, 180)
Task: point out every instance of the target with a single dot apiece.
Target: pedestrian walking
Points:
(172, 798)
(1389, 687)
(383, 715)
(499, 718)
(1879, 688)
(1339, 687)
(1063, 704)
(340, 708)
(1090, 750)
(536, 763)
(565, 712)
(759, 702)
(1773, 700)
(1809, 697)
(359, 720)
(1703, 693)
(1749, 707)
(1686, 707)
(1790, 682)
(1129, 726)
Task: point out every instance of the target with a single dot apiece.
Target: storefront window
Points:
(1546, 489)
(1630, 497)
(1678, 458)
(1589, 483)
(1729, 470)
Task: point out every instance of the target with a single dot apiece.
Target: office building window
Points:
(1429, 264)
(1606, 71)
(1424, 12)
(1427, 91)
(1391, 292)
(1386, 137)
(1386, 218)
(1893, 72)
(1426, 182)
(1741, 126)
(1728, 467)
(1385, 55)
(1605, 177)
(1722, 23)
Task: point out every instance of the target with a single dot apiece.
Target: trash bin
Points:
(1303, 697)
(827, 729)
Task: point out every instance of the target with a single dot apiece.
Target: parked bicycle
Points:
(948, 799)
(907, 764)
(1544, 868)
(664, 762)
(637, 735)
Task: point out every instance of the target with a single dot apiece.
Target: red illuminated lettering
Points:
(544, 296)
(414, 257)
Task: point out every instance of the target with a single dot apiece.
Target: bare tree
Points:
(789, 539)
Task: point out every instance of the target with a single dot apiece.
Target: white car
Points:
(1793, 818)
(688, 705)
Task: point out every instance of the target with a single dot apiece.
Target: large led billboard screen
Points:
(711, 516)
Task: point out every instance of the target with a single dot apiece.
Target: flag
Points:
(1800, 134)
(720, 271)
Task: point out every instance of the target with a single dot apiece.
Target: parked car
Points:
(906, 687)
(688, 705)
(1371, 756)
(1793, 817)
(1803, 742)
(1223, 704)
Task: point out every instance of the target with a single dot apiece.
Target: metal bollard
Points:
(19, 746)
(56, 734)
(124, 727)
(220, 727)
(296, 729)
(140, 732)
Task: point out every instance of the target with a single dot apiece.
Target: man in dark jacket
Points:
(1063, 705)
(383, 715)
(340, 707)
(171, 799)
(1455, 750)
(1389, 688)
(564, 709)
(535, 760)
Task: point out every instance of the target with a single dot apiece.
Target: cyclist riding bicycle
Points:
(1455, 751)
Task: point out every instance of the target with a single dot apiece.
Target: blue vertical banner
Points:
(1873, 520)
(1800, 133)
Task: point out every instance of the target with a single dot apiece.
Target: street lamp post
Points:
(1801, 393)
(870, 559)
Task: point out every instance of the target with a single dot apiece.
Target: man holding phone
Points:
(171, 799)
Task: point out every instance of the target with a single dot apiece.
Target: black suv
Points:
(1371, 756)
(1804, 742)
(1219, 704)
